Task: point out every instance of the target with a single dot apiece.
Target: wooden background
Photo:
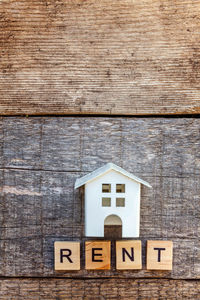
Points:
(103, 57)
(129, 73)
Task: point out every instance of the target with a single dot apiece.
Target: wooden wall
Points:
(125, 57)
(129, 73)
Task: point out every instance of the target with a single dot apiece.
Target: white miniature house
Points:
(112, 197)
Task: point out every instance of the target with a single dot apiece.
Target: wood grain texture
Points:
(98, 289)
(99, 57)
(41, 159)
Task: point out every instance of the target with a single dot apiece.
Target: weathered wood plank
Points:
(100, 57)
(158, 146)
(41, 159)
(99, 289)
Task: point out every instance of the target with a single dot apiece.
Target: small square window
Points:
(120, 188)
(106, 201)
(120, 202)
(106, 188)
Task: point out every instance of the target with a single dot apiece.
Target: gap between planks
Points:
(167, 116)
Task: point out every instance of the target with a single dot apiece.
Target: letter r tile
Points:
(67, 256)
(159, 255)
(97, 255)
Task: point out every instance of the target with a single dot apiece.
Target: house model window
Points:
(120, 202)
(120, 188)
(106, 201)
(111, 197)
(106, 188)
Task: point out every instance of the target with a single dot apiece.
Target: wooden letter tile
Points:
(128, 255)
(67, 256)
(97, 255)
(159, 255)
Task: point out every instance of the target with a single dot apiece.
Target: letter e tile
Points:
(97, 255)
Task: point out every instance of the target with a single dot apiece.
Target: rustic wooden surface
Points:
(99, 57)
(42, 157)
(98, 289)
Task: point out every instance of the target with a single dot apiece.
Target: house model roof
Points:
(106, 168)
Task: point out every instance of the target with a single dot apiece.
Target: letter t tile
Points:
(159, 255)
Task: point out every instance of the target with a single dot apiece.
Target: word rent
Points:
(128, 255)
